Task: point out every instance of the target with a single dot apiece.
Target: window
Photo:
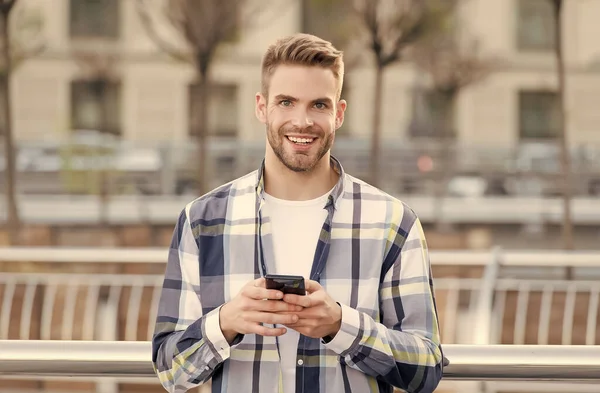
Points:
(535, 25)
(96, 105)
(432, 114)
(222, 109)
(94, 18)
(539, 115)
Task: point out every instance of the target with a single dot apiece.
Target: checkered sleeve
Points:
(187, 346)
(403, 349)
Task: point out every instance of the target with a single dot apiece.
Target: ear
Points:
(261, 108)
(339, 113)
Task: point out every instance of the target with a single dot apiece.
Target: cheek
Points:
(277, 118)
(271, 120)
(275, 125)
(325, 121)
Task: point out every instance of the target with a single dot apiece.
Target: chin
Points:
(299, 167)
(303, 165)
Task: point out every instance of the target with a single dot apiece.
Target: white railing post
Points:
(483, 324)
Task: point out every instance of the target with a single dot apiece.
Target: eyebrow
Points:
(280, 97)
(326, 100)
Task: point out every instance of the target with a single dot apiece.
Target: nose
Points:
(301, 119)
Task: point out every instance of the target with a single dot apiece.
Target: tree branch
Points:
(6, 6)
(390, 30)
(366, 10)
(450, 65)
(205, 24)
(150, 28)
(253, 9)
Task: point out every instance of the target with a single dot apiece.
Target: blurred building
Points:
(147, 98)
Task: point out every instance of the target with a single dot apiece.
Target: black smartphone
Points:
(286, 283)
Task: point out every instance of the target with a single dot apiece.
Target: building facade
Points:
(146, 95)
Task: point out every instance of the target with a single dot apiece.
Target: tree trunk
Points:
(442, 168)
(376, 128)
(102, 175)
(567, 227)
(200, 132)
(13, 223)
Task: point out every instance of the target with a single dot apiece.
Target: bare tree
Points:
(334, 21)
(100, 70)
(204, 25)
(12, 53)
(391, 26)
(452, 62)
(564, 143)
(567, 221)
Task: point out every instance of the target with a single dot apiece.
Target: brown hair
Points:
(302, 49)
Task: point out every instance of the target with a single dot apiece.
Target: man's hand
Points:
(321, 316)
(252, 307)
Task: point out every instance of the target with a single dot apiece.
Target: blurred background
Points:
(482, 115)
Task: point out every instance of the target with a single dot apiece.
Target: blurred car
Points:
(58, 167)
(536, 170)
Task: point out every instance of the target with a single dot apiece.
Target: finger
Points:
(259, 282)
(310, 313)
(301, 323)
(305, 331)
(292, 309)
(271, 318)
(312, 286)
(295, 326)
(304, 301)
(277, 306)
(267, 331)
(260, 293)
(273, 306)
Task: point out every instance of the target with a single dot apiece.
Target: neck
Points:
(283, 183)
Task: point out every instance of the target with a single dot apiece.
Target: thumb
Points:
(312, 286)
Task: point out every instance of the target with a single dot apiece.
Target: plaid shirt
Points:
(371, 258)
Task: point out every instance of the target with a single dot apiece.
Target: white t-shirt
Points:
(296, 226)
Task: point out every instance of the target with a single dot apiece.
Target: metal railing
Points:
(466, 362)
(79, 306)
(516, 299)
(510, 297)
(158, 255)
(470, 368)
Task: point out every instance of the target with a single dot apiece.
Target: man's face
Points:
(301, 115)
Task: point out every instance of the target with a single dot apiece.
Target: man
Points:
(368, 321)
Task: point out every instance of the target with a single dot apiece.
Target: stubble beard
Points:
(298, 161)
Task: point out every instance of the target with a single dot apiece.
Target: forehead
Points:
(303, 82)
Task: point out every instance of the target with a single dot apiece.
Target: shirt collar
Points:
(334, 197)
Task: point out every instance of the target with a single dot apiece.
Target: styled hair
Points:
(306, 50)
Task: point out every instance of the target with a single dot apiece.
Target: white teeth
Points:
(300, 140)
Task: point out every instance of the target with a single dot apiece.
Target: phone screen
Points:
(286, 283)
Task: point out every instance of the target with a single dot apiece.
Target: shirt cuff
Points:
(350, 333)
(214, 335)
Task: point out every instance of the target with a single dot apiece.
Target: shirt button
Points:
(300, 362)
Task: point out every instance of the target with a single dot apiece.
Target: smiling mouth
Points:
(301, 141)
